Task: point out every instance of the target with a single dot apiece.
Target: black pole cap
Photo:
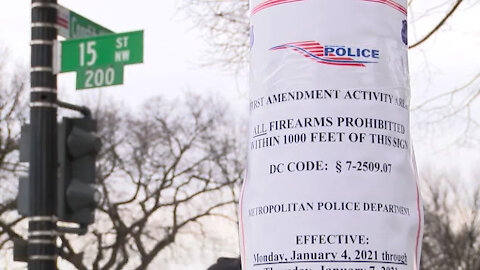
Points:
(226, 264)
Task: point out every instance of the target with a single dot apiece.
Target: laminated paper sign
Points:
(331, 181)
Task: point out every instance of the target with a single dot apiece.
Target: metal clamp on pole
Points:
(82, 109)
(79, 230)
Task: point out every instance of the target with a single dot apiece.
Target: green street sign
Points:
(99, 76)
(100, 51)
(73, 25)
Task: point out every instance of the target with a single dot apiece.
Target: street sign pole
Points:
(42, 228)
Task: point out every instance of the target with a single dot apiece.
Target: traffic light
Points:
(78, 146)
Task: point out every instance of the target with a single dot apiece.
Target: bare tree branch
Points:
(452, 225)
(438, 26)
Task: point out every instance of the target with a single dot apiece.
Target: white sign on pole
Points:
(331, 181)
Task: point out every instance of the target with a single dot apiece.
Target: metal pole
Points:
(42, 228)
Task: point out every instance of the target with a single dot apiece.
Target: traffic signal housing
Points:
(78, 146)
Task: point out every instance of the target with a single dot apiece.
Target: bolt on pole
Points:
(42, 228)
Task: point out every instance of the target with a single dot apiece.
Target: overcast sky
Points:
(174, 50)
(445, 62)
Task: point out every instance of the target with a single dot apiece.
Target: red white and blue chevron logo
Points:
(332, 54)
